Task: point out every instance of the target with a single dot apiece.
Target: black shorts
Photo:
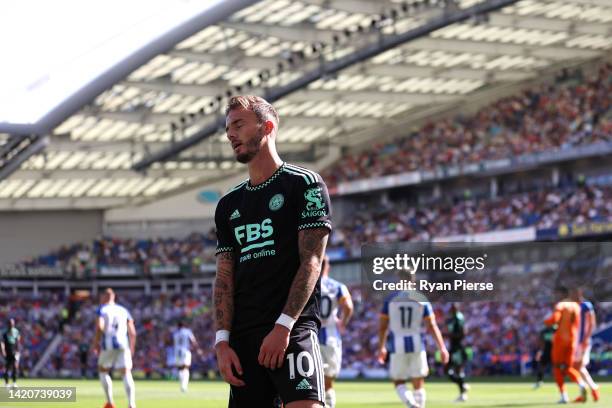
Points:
(300, 377)
(10, 360)
(457, 355)
(546, 358)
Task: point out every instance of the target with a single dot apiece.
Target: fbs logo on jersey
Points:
(315, 206)
(304, 385)
(235, 214)
(253, 232)
(249, 233)
(276, 202)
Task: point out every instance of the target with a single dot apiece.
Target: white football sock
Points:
(587, 378)
(405, 395)
(420, 397)
(184, 379)
(107, 386)
(330, 398)
(130, 389)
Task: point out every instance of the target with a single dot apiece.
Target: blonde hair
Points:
(262, 108)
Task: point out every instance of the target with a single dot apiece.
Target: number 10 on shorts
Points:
(299, 362)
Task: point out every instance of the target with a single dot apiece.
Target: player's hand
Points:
(444, 356)
(96, 349)
(227, 360)
(382, 355)
(273, 347)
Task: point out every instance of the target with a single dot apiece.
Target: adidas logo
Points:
(304, 385)
(235, 215)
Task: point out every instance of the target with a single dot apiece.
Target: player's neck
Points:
(263, 166)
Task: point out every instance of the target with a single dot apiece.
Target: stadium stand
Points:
(396, 221)
(393, 221)
(558, 116)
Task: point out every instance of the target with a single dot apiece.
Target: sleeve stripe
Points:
(310, 174)
(304, 170)
(223, 249)
(293, 170)
(298, 174)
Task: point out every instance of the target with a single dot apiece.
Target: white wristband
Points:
(221, 335)
(286, 320)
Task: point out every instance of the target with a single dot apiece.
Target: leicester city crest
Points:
(276, 202)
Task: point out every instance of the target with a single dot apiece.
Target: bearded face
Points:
(245, 133)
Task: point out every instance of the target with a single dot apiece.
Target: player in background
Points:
(171, 371)
(566, 316)
(10, 343)
(399, 335)
(334, 296)
(184, 339)
(588, 323)
(543, 355)
(458, 355)
(115, 343)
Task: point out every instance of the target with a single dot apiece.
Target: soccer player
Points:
(83, 356)
(566, 316)
(399, 336)
(543, 355)
(171, 371)
(10, 343)
(458, 355)
(183, 341)
(115, 342)
(334, 296)
(588, 323)
(272, 231)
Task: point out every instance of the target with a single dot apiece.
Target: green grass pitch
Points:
(353, 394)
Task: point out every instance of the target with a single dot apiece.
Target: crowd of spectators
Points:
(554, 116)
(84, 260)
(381, 222)
(399, 221)
(502, 336)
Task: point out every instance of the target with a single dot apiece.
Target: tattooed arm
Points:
(311, 244)
(223, 291)
(223, 295)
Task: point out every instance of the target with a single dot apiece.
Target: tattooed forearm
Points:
(223, 292)
(312, 244)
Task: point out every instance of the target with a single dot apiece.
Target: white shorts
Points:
(405, 366)
(115, 358)
(332, 359)
(182, 358)
(583, 356)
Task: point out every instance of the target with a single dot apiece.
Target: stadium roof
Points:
(88, 160)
